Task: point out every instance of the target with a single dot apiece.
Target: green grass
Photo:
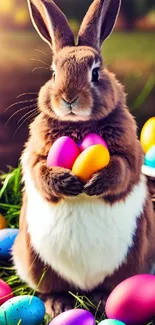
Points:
(10, 204)
(135, 46)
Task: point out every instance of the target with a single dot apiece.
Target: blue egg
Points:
(25, 310)
(150, 157)
(111, 322)
(7, 237)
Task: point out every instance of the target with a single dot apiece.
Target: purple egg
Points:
(91, 139)
(133, 300)
(74, 317)
(63, 153)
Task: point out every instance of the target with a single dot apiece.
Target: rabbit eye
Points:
(53, 75)
(95, 75)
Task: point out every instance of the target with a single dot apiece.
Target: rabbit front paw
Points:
(95, 186)
(65, 183)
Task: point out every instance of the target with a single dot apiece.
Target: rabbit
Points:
(76, 236)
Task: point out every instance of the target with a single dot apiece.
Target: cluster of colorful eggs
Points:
(132, 302)
(84, 159)
(147, 139)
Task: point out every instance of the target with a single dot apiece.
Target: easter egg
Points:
(148, 171)
(90, 140)
(150, 157)
(63, 153)
(111, 322)
(90, 161)
(30, 310)
(147, 137)
(7, 237)
(133, 300)
(3, 222)
(5, 292)
(74, 317)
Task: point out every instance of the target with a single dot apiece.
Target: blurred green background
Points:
(25, 61)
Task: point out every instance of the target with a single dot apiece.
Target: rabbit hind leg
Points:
(22, 259)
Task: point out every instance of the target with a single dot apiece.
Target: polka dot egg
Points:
(25, 310)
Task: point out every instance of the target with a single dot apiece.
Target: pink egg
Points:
(74, 317)
(133, 300)
(5, 292)
(63, 153)
(90, 140)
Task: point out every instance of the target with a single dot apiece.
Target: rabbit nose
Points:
(69, 103)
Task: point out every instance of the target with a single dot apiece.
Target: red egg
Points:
(91, 139)
(63, 153)
(133, 300)
(5, 292)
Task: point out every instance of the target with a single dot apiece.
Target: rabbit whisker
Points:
(27, 118)
(21, 109)
(21, 102)
(23, 94)
(38, 60)
(40, 68)
(40, 51)
(32, 110)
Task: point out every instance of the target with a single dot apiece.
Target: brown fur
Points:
(104, 106)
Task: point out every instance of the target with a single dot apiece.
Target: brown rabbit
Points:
(76, 236)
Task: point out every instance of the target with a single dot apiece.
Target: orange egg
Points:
(147, 137)
(3, 222)
(90, 161)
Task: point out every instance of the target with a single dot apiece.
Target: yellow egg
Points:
(147, 137)
(90, 161)
(3, 222)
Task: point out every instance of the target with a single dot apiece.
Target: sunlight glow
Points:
(6, 6)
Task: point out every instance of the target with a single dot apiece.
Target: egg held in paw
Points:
(91, 139)
(63, 153)
(90, 161)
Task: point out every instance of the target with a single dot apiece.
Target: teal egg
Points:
(111, 322)
(26, 310)
(150, 157)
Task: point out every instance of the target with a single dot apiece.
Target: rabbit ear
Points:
(51, 24)
(98, 22)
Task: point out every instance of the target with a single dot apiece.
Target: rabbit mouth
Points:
(79, 113)
(73, 115)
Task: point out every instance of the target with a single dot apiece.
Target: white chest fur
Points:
(83, 239)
